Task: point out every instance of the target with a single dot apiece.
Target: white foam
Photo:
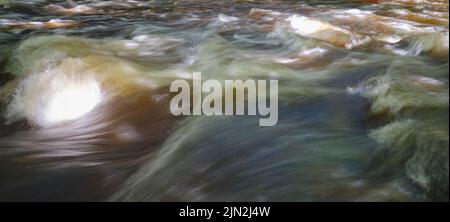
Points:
(390, 39)
(225, 18)
(313, 52)
(306, 26)
(285, 60)
(429, 80)
(71, 101)
(55, 94)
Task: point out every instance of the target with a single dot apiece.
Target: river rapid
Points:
(363, 100)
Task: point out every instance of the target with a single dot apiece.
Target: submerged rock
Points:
(420, 150)
(411, 101)
(429, 167)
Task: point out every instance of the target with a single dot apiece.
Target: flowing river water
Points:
(363, 100)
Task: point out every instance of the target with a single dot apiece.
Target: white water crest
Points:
(57, 94)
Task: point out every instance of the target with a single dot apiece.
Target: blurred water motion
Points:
(363, 94)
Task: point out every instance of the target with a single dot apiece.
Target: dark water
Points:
(363, 100)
